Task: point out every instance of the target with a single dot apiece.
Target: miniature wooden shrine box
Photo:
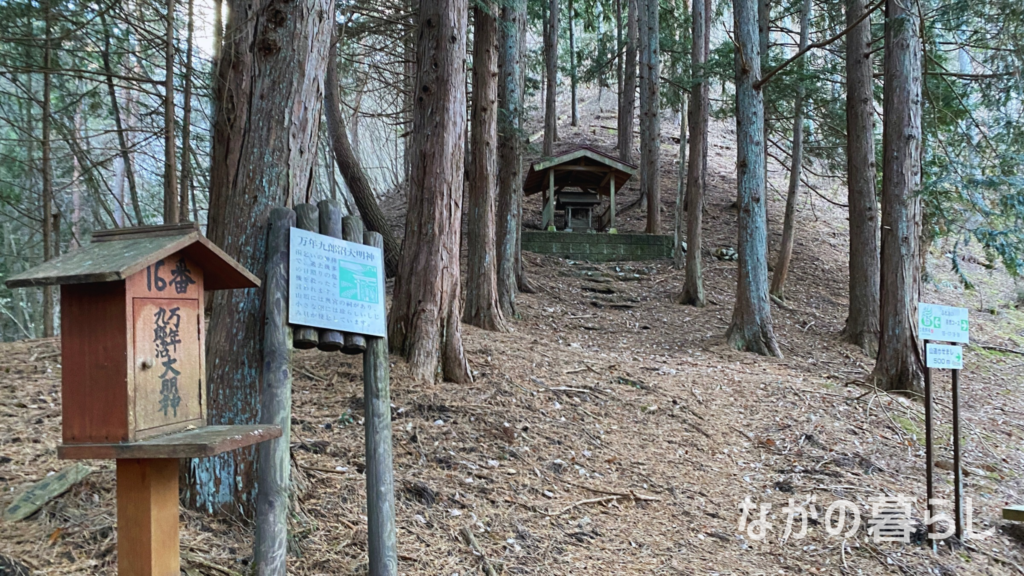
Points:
(132, 331)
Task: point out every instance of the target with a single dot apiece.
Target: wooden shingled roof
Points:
(117, 254)
(584, 168)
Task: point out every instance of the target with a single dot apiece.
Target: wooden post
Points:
(551, 198)
(958, 481)
(380, 477)
(147, 517)
(330, 225)
(307, 218)
(611, 205)
(354, 343)
(929, 456)
(271, 548)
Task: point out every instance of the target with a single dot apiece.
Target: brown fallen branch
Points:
(470, 540)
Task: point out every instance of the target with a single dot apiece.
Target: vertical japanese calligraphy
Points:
(166, 324)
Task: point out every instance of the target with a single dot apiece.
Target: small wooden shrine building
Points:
(575, 183)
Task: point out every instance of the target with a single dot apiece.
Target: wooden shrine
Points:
(575, 182)
(133, 346)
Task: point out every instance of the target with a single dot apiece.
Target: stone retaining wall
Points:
(599, 247)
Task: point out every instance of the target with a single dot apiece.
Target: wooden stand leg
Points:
(147, 518)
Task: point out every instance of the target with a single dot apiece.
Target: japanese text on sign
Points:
(336, 284)
(943, 356)
(165, 336)
(943, 323)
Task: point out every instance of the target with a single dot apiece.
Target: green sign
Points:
(358, 282)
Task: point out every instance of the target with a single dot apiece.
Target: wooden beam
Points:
(147, 517)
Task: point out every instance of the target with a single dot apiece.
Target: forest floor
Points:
(612, 432)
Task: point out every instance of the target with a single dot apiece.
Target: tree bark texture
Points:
(899, 365)
(186, 118)
(862, 319)
(696, 172)
(265, 136)
(171, 213)
(751, 327)
(481, 306)
(551, 65)
(573, 74)
(510, 153)
(781, 271)
(678, 254)
(423, 325)
(352, 169)
(627, 99)
(47, 177)
(271, 545)
(650, 115)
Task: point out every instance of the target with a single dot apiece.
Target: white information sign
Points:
(943, 356)
(335, 284)
(943, 323)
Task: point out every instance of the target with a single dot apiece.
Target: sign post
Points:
(335, 288)
(944, 324)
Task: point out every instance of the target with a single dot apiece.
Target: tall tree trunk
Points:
(352, 170)
(789, 221)
(678, 254)
(696, 173)
(265, 136)
(186, 119)
(899, 365)
(862, 319)
(47, 215)
(618, 51)
(423, 325)
(764, 17)
(751, 327)
(627, 98)
(170, 161)
(510, 152)
(122, 141)
(650, 115)
(573, 75)
(551, 65)
(481, 307)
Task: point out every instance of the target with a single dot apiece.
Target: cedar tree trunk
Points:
(751, 327)
(650, 116)
(265, 134)
(899, 364)
(627, 99)
(510, 152)
(696, 173)
(551, 65)
(423, 325)
(862, 319)
(789, 221)
(481, 308)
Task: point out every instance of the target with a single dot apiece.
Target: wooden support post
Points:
(380, 477)
(271, 548)
(958, 480)
(307, 217)
(147, 517)
(551, 198)
(611, 205)
(929, 456)
(330, 225)
(354, 343)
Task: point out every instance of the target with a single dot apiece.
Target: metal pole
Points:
(958, 484)
(929, 459)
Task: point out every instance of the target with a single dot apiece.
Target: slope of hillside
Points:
(612, 432)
